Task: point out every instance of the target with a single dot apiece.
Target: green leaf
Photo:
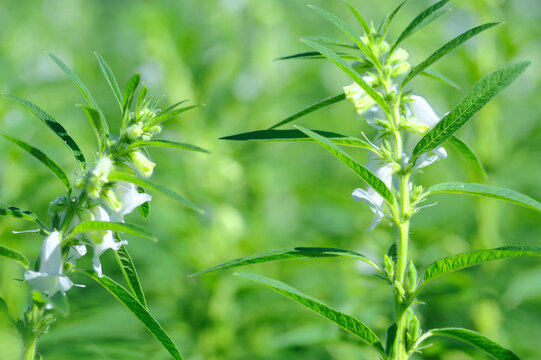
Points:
(54, 126)
(144, 208)
(445, 49)
(420, 20)
(6, 209)
(348, 70)
(153, 186)
(97, 125)
(461, 261)
(478, 340)
(110, 77)
(169, 115)
(390, 18)
(38, 154)
(434, 75)
(318, 105)
(127, 228)
(480, 94)
(332, 41)
(365, 174)
(129, 91)
(171, 107)
(166, 143)
(360, 19)
(13, 255)
(130, 302)
(487, 191)
(468, 155)
(130, 273)
(285, 254)
(309, 55)
(345, 321)
(297, 135)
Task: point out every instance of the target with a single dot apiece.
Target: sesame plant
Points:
(410, 136)
(89, 215)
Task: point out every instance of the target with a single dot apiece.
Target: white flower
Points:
(49, 280)
(371, 197)
(75, 252)
(100, 176)
(128, 198)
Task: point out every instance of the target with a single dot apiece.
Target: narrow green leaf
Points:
(419, 21)
(127, 228)
(480, 94)
(360, 19)
(297, 135)
(309, 55)
(38, 154)
(13, 255)
(171, 107)
(332, 41)
(130, 273)
(285, 254)
(129, 91)
(461, 261)
(144, 208)
(487, 191)
(468, 155)
(110, 77)
(434, 75)
(445, 49)
(130, 302)
(348, 70)
(166, 143)
(345, 321)
(389, 19)
(480, 341)
(365, 174)
(9, 210)
(318, 105)
(153, 186)
(54, 126)
(169, 115)
(97, 125)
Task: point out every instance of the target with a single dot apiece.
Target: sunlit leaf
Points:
(132, 229)
(468, 155)
(9, 210)
(169, 115)
(110, 77)
(332, 41)
(360, 19)
(13, 255)
(389, 19)
(166, 143)
(434, 75)
(130, 273)
(129, 91)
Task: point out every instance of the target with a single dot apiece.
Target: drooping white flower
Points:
(75, 252)
(371, 197)
(49, 279)
(129, 198)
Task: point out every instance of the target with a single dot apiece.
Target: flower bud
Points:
(111, 200)
(399, 55)
(411, 281)
(134, 131)
(401, 69)
(388, 266)
(400, 289)
(99, 176)
(143, 165)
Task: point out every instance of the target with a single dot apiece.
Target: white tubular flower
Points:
(49, 279)
(143, 165)
(371, 197)
(75, 252)
(129, 199)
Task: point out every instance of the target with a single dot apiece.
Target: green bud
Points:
(99, 176)
(388, 266)
(135, 131)
(401, 69)
(400, 289)
(411, 281)
(358, 97)
(399, 55)
(111, 200)
(383, 47)
(143, 165)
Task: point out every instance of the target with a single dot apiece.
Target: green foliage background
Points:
(261, 197)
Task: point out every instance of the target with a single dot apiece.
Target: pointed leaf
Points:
(332, 41)
(171, 107)
(127, 228)
(487, 191)
(6, 209)
(38, 154)
(478, 340)
(345, 321)
(468, 155)
(445, 49)
(97, 125)
(54, 126)
(153, 186)
(130, 273)
(390, 18)
(434, 75)
(129, 91)
(130, 302)
(420, 20)
(110, 77)
(166, 143)
(348, 70)
(360, 19)
(365, 174)
(480, 94)
(169, 115)
(13, 255)
(316, 55)
(285, 254)
(318, 105)
(144, 208)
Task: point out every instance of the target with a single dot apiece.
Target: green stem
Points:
(29, 349)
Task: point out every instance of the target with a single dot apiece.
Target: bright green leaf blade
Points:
(54, 126)
(171, 107)
(434, 75)
(9, 210)
(97, 125)
(480, 94)
(144, 208)
(419, 21)
(446, 49)
(13, 255)
(461, 261)
(360, 19)
(365, 174)
(468, 155)
(130, 273)
(332, 41)
(494, 192)
(129, 91)
(156, 187)
(297, 135)
(169, 115)
(130, 302)
(318, 105)
(348, 70)
(110, 77)
(389, 19)
(38, 154)
(345, 321)
(293, 253)
(127, 228)
(309, 55)
(168, 144)
(478, 340)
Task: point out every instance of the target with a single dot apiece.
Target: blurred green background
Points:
(261, 197)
